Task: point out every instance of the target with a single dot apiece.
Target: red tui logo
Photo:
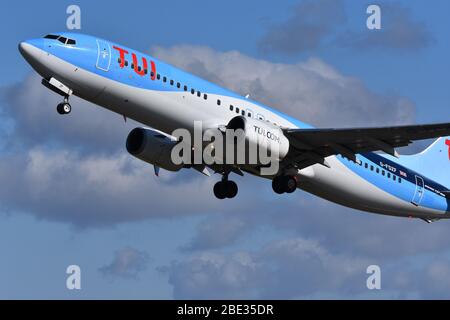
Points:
(447, 142)
(140, 71)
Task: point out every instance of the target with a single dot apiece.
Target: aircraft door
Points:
(104, 55)
(420, 190)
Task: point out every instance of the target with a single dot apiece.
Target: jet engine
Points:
(261, 136)
(153, 147)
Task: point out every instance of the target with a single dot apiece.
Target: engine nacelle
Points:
(261, 135)
(153, 147)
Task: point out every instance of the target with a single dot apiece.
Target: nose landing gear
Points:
(64, 107)
(61, 89)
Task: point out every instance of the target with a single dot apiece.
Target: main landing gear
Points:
(284, 184)
(225, 188)
(64, 107)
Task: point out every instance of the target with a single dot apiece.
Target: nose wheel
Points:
(64, 107)
(284, 184)
(225, 188)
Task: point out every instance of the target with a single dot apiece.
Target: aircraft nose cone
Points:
(23, 48)
(28, 51)
(33, 54)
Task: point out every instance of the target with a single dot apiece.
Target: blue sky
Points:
(71, 195)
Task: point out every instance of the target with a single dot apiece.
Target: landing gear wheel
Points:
(290, 184)
(225, 189)
(220, 190)
(232, 189)
(64, 108)
(276, 185)
(282, 184)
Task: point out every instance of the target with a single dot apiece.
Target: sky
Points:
(70, 194)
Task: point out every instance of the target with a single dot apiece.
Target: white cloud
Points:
(291, 268)
(219, 231)
(128, 262)
(96, 190)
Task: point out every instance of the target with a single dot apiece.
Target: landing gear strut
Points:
(284, 184)
(225, 188)
(64, 107)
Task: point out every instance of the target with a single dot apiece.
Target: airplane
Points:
(355, 167)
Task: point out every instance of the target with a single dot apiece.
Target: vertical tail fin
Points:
(433, 162)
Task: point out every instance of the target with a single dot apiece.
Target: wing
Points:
(311, 146)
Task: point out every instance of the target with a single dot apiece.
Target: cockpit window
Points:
(51, 36)
(61, 39)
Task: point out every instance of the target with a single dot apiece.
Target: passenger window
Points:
(152, 74)
(249, 115)
(237, 110)
(243, 112)
(193, 91)
(395, 178)
(371, 168)
(231, 107)
(198, 94)
(185, 88)
(178, 85)
(378, 170)
(389, 175)
(126, 63)
(164, 79)
(171, 82)
(399, 180)
(205, 96)
(366, 165)
(383, 173)
(158, 76)
(218, 102)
